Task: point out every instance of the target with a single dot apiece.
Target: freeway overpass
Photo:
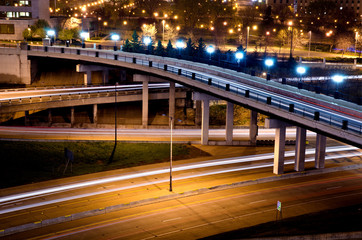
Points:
(288, 105)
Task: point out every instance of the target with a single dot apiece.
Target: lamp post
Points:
(110, 160)
(355, 46)
(290, 23)
(147, 40)
(337, 79)
(310, 40)
(163, 30)
(83, 36)
(210, 50)
(300, 70)
(115, 38)
(247, 38)
(269, 62)
(171, 123)
(239, 55)
(180, 45)
(51, 34)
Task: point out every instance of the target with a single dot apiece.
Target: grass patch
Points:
(27, 162)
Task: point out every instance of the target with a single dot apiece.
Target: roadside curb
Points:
(109, 209)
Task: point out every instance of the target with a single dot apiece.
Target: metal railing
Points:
(301, 109)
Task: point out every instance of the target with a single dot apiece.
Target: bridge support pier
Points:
(95, 113)
(320, 150)
(198, 113)
(145, 103)
(279, 145)
(205, 122)
(50, 119)
(300, 149)
(171, 103)
(26, 118)
(88, 78)
(105, 76)
(253, 129)
(72, 117)
(229, 123)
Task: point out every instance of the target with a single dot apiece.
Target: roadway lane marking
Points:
(330, 188)
(172, 219)
(117, 220)
(257, 201)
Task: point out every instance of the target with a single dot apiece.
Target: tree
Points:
(189, 50)
(127, 46)
(27, 33)
(149, 30)
(171, 33)
(160, 51)
(135, 42)
(68, 34)
(343, 43)
(201, 48)
(169, 49)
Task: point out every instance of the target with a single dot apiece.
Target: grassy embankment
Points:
(27, 162)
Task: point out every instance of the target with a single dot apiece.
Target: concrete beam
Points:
(279, 149)
(205, 122)
(229, 123)
(198, 112)
(26, 118)
(95, 113)
(145, 103)
(320, 150)
(300, 149)
(50, 119)
(88, 78)
(92, 68)
(140, 78)
(253, 129)
(105, 77)
(72, 117)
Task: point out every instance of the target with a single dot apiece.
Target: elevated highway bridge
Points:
(285, 105)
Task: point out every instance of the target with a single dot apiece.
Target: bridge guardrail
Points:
(283, 104)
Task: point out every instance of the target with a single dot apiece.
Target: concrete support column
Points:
(320, 150)
(95, 113)
(72, 117)
(26, 118)
(300, 149)
(105, 76)
(171, 103)
(253, 129)
(205, 122)
(145, 104)
(279, 148)
(50, 119)
(88, 78)
(229, 123)
(198, 113)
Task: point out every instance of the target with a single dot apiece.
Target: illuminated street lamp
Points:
(210, 50)
(147, 40)
(83, 36)
(337, 79)
(115, 38)
(239, 55)
(180, 45)
(301, 70)
(290, 23)
(51, 34)
(269, 62)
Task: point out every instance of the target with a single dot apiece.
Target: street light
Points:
(83, 36)
(310, 40)
(171, 119)
(337, 79)
(355, 46)
(290, 23)
(115, 38)
(210, 50)
(269, 62)
(147, 40)
(51, 34)
(301, 70)
(247, 37)
(180, 45)
(163, 30)
(239, 55)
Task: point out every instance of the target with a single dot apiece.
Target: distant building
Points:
(17, 15)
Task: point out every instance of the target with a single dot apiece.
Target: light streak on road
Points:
(25, 196)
